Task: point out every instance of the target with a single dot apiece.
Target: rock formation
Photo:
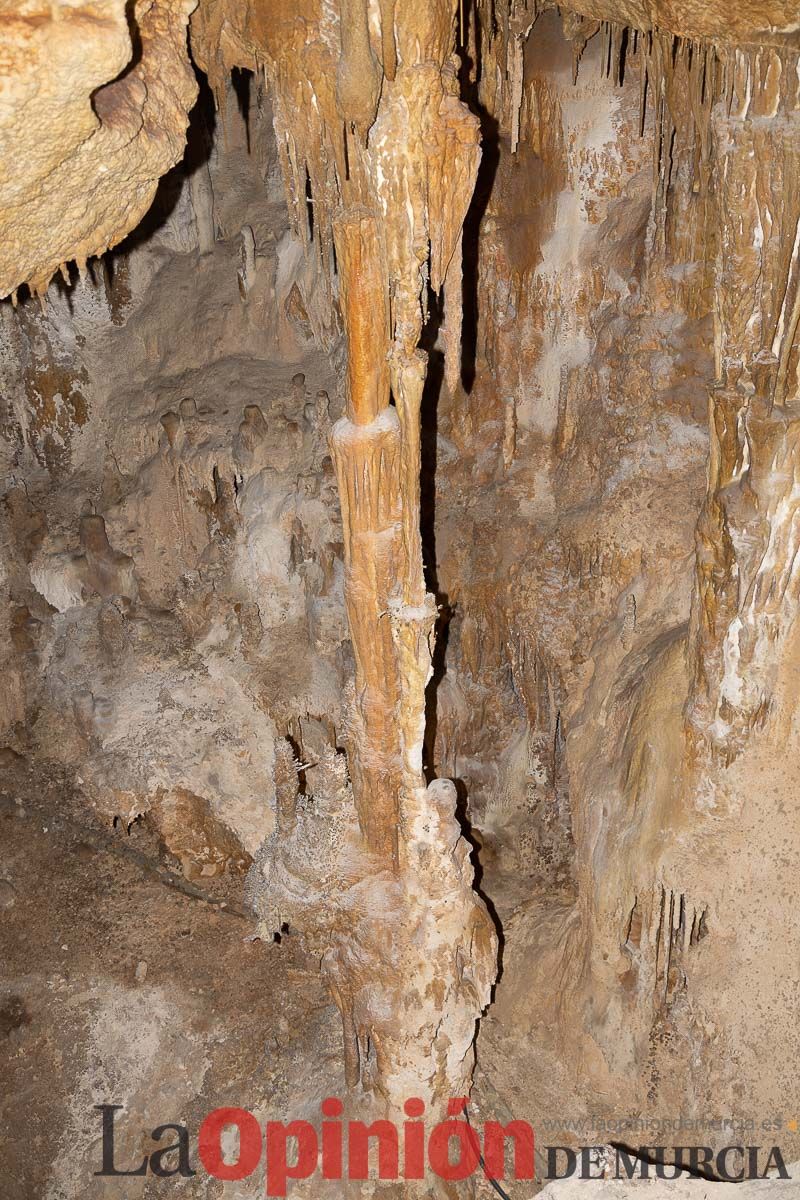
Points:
(94, 140)
(402, 511)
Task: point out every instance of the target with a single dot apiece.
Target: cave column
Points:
(367, 453)
(421, 1001)
(413, 993)
(390, 158)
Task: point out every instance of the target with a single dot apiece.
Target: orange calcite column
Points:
(365, 312)
(366, 446)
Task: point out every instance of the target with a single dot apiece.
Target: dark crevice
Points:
(490, 158)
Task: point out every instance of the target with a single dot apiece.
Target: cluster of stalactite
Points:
(721, 115)
(747, 537)
(726, 140)
(681, 78)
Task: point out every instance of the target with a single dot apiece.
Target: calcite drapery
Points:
(84, 180)
(747, 536)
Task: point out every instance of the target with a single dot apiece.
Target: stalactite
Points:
(407, 385)
(516, 72)
(358, 75)
(784, 342)
(743, 622)
(364, 303)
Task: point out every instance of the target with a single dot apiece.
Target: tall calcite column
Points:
(415, 970)
(367, 452)
(374, 872)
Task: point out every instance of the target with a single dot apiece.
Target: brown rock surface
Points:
(409, 507)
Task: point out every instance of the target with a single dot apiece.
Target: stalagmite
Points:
(202, 194)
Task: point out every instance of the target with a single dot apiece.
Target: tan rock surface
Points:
(93, 111)
(412, 506)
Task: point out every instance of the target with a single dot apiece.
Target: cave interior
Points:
(399, 575)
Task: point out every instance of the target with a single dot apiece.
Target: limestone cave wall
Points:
(399, 559)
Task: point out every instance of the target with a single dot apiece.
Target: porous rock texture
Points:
(93, 111)
(406, 516)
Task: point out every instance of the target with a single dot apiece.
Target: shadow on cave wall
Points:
(434, 381)
(199, 143)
